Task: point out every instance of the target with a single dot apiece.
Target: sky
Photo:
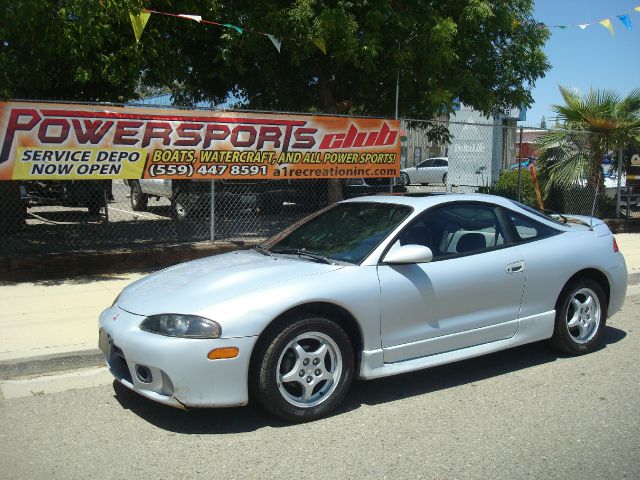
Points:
(589, 58)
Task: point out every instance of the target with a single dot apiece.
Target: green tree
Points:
(486, 54)
(590, 127)
(68, 50)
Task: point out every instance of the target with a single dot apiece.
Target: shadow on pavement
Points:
(86, 279)
(254, 417)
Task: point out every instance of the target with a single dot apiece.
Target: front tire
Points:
(302, 371)
(179, 209)
(581, 314)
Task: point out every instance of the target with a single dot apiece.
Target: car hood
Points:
(194, 286)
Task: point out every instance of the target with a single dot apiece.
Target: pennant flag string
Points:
(139, 22)
(276, 41)
(606, 23)
(626, 21)
(143, 17)
(196, 18)
(623, 17)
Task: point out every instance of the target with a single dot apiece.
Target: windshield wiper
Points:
(262, 250)
(301, 252)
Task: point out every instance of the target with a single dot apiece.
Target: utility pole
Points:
(620, 184)
(395, 116)
(520, 169)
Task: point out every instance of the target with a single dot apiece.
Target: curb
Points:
(50, 363)
(90, 358)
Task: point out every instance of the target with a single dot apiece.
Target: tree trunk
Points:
(595, 182)
(329, 105)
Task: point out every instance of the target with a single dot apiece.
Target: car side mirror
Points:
(409, 254)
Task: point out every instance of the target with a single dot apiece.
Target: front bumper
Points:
(175, 371)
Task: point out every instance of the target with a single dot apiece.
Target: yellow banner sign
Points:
(48, 141)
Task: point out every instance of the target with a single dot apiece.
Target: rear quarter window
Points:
(526, 229)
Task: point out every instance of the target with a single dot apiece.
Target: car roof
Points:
(423, 201)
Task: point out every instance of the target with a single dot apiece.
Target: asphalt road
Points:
(518, 414)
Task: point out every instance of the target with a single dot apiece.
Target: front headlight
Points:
(177, 325)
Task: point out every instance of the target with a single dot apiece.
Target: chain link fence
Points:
(467, 153)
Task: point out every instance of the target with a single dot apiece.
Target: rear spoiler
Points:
(592, 223)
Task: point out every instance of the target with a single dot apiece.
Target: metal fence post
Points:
(520, 169)
(620, 160)
(212, 221)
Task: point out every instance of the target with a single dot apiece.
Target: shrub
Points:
(507, 186)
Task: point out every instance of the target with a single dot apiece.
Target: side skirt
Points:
(531, 329)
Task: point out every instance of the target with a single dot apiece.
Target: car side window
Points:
(527, 229)
(454, 230)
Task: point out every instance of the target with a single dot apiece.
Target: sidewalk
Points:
(52, 324)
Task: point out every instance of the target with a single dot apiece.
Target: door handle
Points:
(516, 267)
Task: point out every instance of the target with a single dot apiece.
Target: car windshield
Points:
(346, 232)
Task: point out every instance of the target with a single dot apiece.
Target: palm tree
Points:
(590, 127)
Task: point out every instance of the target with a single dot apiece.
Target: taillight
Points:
(615, 246)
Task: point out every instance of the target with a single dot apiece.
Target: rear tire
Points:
(406, 181)
(444, 179)
(93, 207)
(138, 198)
(302, 371)
(581, 314)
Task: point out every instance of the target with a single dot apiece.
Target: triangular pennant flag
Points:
(637, 9)
(515, 23)
(276, 41)
(138, 22)
(195, 18)
(626, 21)
(607, 24)
(319, 42)
(562, 27)
(584, 25)
(237, 29)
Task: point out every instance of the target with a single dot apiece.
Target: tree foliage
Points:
(590, 127)
(486, 54)
(68, 50)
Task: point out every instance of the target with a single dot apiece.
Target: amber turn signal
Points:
(224, 352)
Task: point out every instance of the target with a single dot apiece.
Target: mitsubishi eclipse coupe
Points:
(365, 288)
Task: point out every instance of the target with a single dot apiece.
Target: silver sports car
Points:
(368, 287)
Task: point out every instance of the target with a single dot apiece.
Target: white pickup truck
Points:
(192, 197)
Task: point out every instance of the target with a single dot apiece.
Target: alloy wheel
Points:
(583, 315)
(309, 369)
